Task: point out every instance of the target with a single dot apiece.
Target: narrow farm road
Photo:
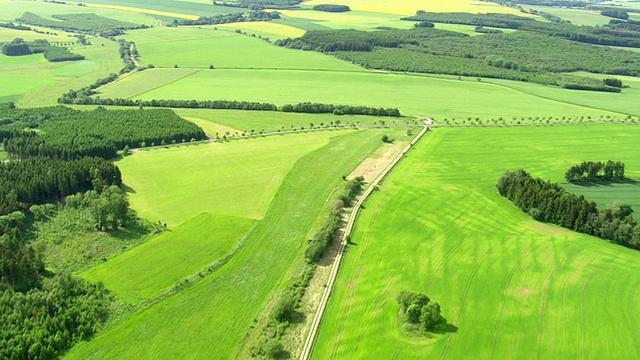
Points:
(313, 331)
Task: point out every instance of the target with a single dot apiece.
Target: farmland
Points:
(236, 293)
(501, 278)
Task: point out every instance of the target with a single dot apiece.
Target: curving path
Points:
(315, 324)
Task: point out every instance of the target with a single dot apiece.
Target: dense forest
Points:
(67, 133)
(549, 202)
(522, 55)
(259, 4)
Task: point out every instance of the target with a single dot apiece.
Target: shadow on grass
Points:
(589, 184)
(446, 328)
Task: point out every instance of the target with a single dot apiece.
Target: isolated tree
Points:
(284, 309)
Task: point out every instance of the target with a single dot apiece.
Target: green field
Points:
(175, 184)
(605, 194)
(223, 48)
(439, 97)
(170, 257)
(223, 305)
(513, 287)
(576, 16)
(170, 6)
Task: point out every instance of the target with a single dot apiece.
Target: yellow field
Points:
(409, 7)
(143, 11)
(262, 27)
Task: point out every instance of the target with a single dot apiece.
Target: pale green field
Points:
(211, 318)
(204, 46)
(239, 178)
(142, 82)
(413, 95)
(170, 257)
(513, 287)
(271, 29)
(360, 20)
(238, 121)
(10, 10)
(6, 35)
(576, 16)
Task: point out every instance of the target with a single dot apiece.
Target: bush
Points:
(284, 309)
(273, 349)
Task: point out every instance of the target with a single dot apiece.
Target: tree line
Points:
(250, 16)
(549, 202)
(331, 8)
(595, 171)
(19, 47)
(67, 133)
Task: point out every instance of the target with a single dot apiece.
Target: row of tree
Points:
(251, 16)
(596, 171)
(549, 202)
(323, 239)
(331, 8)
(315, 108)
(18, 47)
(68, 133)
(419, 309)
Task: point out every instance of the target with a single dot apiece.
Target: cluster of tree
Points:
(323, 239)
(419, 309)
(354, 40)
(424, 24)
(18, 47)
(49, 318)
(549, 3)
(109, 206)
(331, 8)
(42, 180)
(10, 25)
(601, 35)
(68, 133)
(128, 51)
(314, 108)
(483, 30)
(251, 16)
(86, 23)
(615, 13)
(549, 202)
(550, 17)
(596, 171)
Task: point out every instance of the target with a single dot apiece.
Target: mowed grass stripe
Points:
(170, 257)
(210, 319)
(515, 288)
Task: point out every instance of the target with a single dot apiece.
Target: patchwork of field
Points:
(510, 286)
(409, 7)
(440, 97)
(166, 8)
(576, 16)
(223, 305)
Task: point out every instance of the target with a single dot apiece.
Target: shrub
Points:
(284, 309)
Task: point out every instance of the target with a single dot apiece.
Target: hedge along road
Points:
(313, 331)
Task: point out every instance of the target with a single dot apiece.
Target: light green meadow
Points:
(511, 287)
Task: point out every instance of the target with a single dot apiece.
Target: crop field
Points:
(7, 35)
(169, 8)
(439, 97)
(223, 305)
(360, 20)
(10, 10)
(271, 30)
(510, 286)
(204, 46)
(409, 7)
(170, 257)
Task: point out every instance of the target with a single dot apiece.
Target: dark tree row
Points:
(548, 202)
(325, 236)
(67, 133)
(10, 25)
(229, 18)
(596, 171)
(259, 4)
(314, 108)
(18, 47)
(420, 310)
(615, 13)
(42, 180)
(331, 8)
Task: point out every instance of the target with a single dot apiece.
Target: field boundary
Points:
(317, 319)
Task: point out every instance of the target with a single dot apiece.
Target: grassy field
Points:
(10, 10)
(32, 81)
(605, 194)
(171, 256)
(238, 178)
(409, 7)
(168, 8)
(271, 30)
(204, 46)
(576, 16)
(513, 287)
(414, 95)
(210, 318)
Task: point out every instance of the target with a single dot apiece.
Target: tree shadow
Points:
(589, 184)
(128, 189)
(446, 328)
